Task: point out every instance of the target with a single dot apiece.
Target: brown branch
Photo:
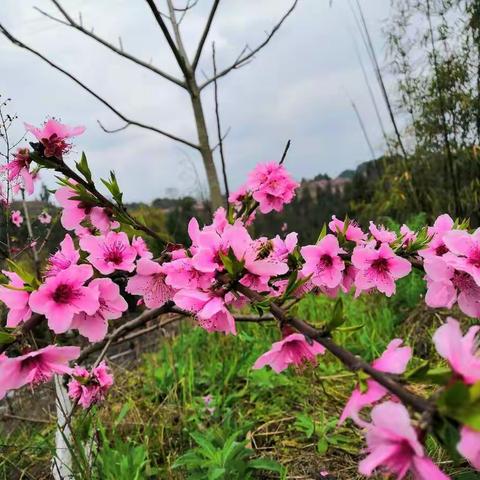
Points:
(20, 44)
(243, 58)
(285, 151)
(70, 22)
(63, 168)
(219, 126)
(163, 27)
(136, 322)
(351, 361)
(204, 36)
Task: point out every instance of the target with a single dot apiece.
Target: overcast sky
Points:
(298, 87)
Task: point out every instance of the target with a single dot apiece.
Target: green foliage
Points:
(215, 458)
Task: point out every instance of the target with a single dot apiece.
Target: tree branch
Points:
(204, 36)
(163, 27)
(136, 322)
(219, 127)
(243, 58)
(17, 42)
(70, 22)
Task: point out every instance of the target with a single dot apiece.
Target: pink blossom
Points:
(238, 195)
(19, 170)
(64, 295)
(220, 221)
(381, 234)
(45, 218)
(110, 252)
(393, 443)
(102, 218)
(139, 244)
(353, 232)
(75, 211)
(16, 299)
(90, 388)
(249, 252)
(17, 218)
(461, 352)
(294, 348)
(63, 258)
(436, 246)
(271, 186)
(378, 268)
(466, 252)
(112, 305)
(393, 360)
(149, 282)
(445, 286)
(212, 315)
(469, 446)
(283, 248)
(323, 262)
(180, 273)
(53, 135)
(35, 367)
(408, 236)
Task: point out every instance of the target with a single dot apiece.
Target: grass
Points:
(156, 423)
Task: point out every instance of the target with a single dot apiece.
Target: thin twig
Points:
(204, 36)
(243, 58)
(219, 126)
(285, 151)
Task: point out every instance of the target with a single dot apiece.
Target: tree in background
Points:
(188, 65)
(434, 53)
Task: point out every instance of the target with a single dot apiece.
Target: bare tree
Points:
(188, 66)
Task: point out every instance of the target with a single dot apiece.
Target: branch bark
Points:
(219, 127)
(205, 34)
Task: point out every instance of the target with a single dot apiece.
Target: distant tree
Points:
(192, 80)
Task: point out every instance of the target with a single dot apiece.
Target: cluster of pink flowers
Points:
(270, 185)
(89, 388)
(190, 275)
(69, 296)
(373, 265)
(452, 266)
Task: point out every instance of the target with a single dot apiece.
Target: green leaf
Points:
(337, 318)
(83, 168)
(6, 338)
(123, 412)
(266, 464)
(352, 328)
(462, 403)
(323, 232)
(322, 446)
(216, 473)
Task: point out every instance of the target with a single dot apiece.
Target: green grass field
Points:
(156, 424)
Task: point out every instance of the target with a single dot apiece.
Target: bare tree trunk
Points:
(205, 149)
